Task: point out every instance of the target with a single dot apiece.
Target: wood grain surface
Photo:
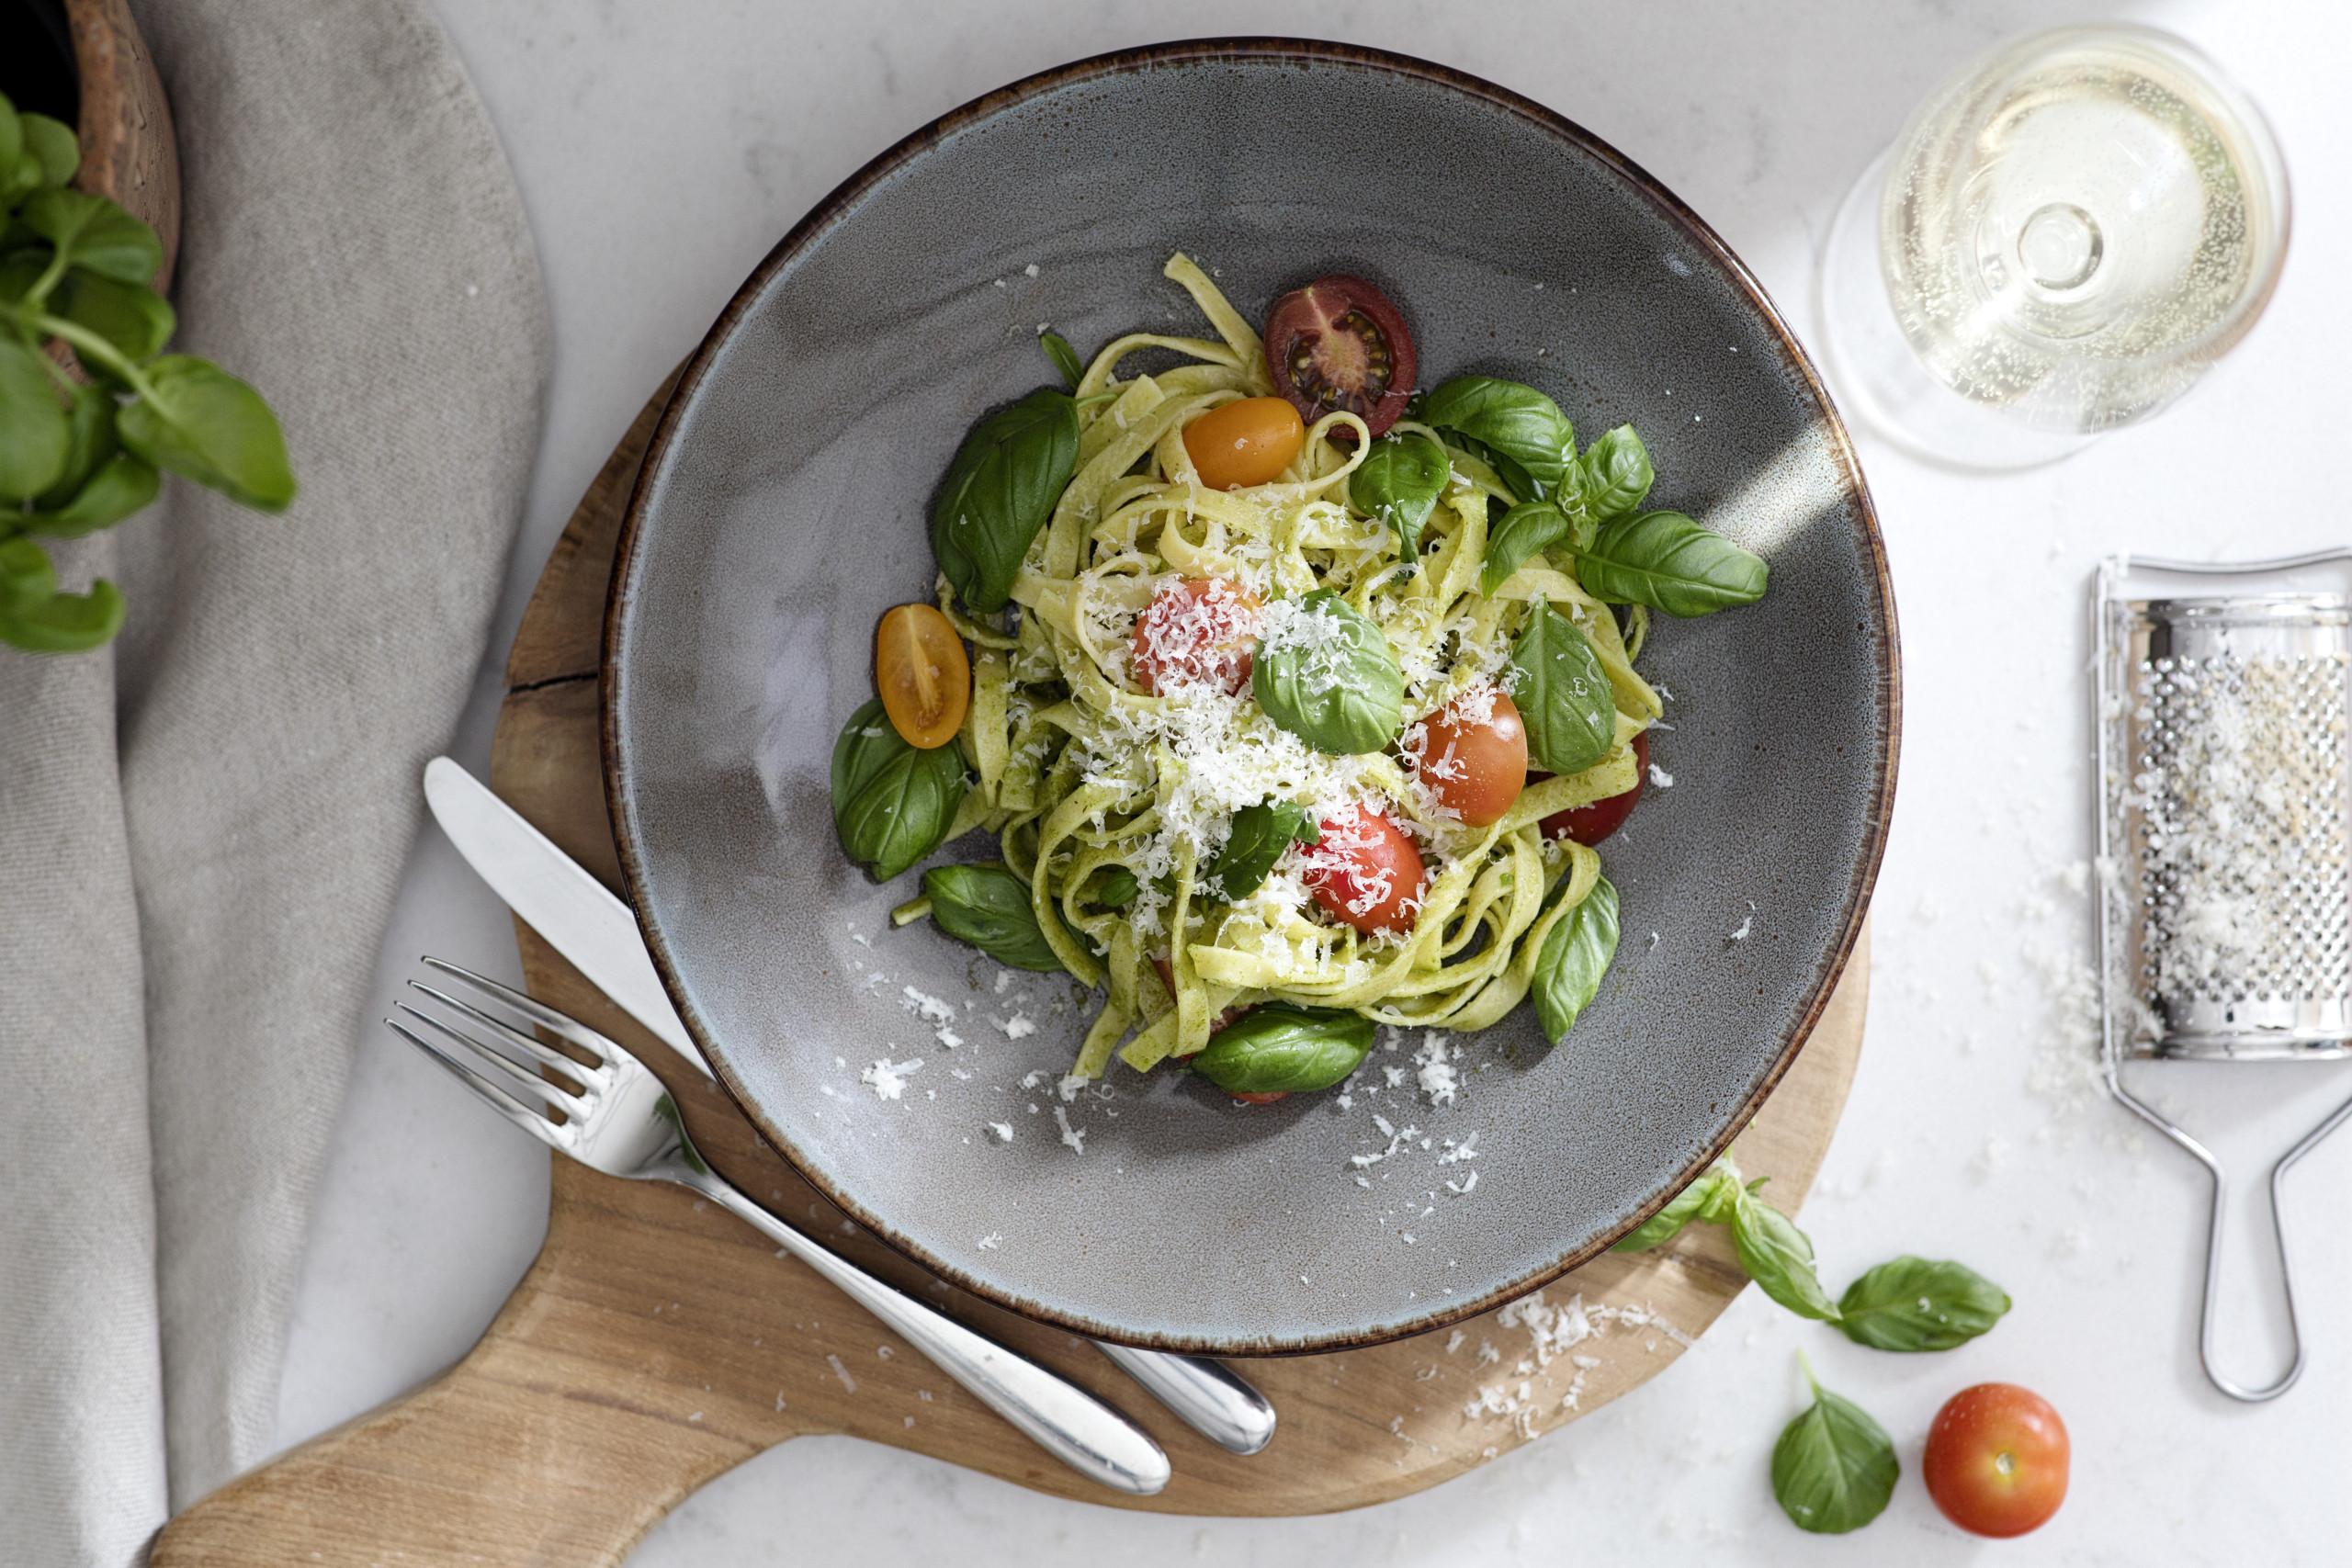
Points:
(657, 1342)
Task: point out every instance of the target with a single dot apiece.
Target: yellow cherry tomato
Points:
(922, 672)
(1245, 443)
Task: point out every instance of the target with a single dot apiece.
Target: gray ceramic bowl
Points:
(782, 511)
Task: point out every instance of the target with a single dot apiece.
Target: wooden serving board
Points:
(656, 1342)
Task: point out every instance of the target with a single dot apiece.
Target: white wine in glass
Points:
(2062, 240)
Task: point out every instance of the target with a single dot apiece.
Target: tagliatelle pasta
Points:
(1113, 801)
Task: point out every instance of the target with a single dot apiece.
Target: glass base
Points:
(1877, 378)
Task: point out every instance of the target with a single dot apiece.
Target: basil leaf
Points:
(53, 146)
(1667, 1224)
(1260, 835)
(1616, 474)
(89, 441)
(93, 233)
(1778, 1258)
(1282, 1049)
(123, 486)
(35, 439)
(1524, 531)
(132, 316)
(1833, 1468)
(989, 906)
(1564, 698)
(1399, 482)
(1324, 672)
(892, 803)
(1065, 357)
(1115, 888)
(1531, 439)
(26, 578)
(1575, 955)
(12, 133)
(1914, 1303)
(38, 620)
(1670, 563)
(1001, 488)
(200, 422)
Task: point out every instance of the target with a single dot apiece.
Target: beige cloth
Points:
(201, 830)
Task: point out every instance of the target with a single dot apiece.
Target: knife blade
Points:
(555, 897)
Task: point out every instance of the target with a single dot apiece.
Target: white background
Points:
(663, 145)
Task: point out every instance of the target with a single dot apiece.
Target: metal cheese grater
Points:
(2224, 820)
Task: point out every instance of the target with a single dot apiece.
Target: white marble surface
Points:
(663, 145)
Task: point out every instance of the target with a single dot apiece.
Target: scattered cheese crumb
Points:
(889, 1079)
(1002, 1131)
(989, 1242)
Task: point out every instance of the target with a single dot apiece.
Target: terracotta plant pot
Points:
(128, 152)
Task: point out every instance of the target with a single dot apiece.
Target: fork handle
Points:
(1064, 1419)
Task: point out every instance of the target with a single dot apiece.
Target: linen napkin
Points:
(202, 828)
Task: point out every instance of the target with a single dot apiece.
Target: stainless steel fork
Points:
(619, 1119)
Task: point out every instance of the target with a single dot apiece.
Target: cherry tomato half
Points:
(1196, 631)
(1365, 873)
(1472, 755)
(1338, 343)
(1268, 1098)
(1245, 443)
(1587, 824)
(1996, 1459)
(924, 678)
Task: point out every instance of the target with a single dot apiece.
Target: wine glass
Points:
(2062, 240)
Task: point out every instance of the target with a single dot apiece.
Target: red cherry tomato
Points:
(1365, 873)
(1996, 1459)
(1249, 442)
(1266, 1098)
(1472, 755)
(1338, 343)
(1587, 824)
(1198, 631)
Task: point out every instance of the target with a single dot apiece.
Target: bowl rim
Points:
(832, 210)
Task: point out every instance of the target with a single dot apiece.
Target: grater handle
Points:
(2206, 1326)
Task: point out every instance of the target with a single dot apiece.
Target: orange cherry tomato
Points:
(1245, 443)
(1196, 631)
(1996, 1459)
(1365, 873)
(1472, 755)
(1587, 824)
(922, 672)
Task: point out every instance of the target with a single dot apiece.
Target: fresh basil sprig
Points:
(1616, 474)
(1834, 1467)
(1399, 481)
(1575, 955)
(989, 906)
(892, 802)
(1260, 835)
(1681, 1210)
(1065, 357)
(1325, 673)
(1666, 561)
(1524, 531)
(1001, 488)
(1915, 1304)
(73, 458)
(1279, 1048)
(1565, 699)
(1523, 431)
(1778, 1257)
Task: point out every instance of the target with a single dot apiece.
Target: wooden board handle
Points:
(520, 1454)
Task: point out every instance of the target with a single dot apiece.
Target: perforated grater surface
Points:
(2224, 819)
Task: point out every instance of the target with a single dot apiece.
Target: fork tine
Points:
(548, 1092)
(497, 1099)
(579, 1072)
(562, 1025)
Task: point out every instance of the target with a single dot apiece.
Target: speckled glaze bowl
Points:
(782, 510)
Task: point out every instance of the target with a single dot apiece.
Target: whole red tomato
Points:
(1996, 1459)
